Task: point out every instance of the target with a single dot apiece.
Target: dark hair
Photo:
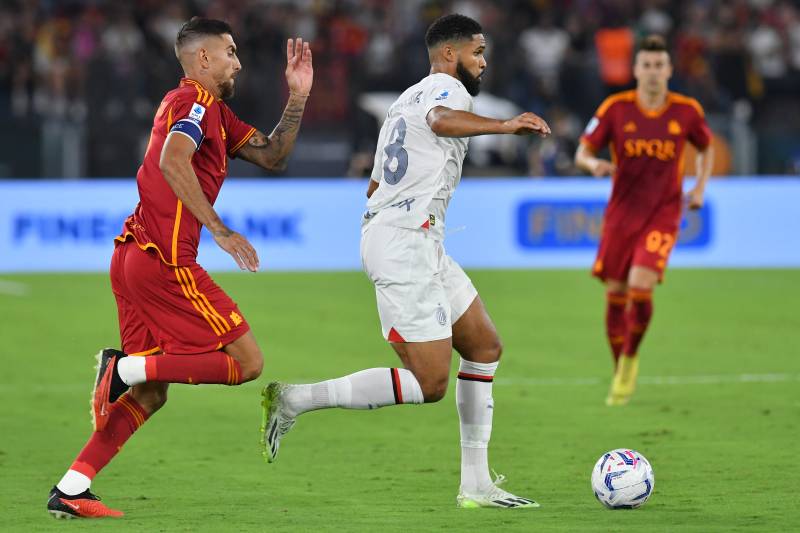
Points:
(653, 43)
(200, 27)
(451, 28)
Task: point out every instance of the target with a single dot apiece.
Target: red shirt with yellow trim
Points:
(160, 220)
(647, 149)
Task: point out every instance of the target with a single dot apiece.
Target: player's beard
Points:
(471, 83)
(226, 89)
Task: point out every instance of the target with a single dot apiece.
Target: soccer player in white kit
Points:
(426, 302)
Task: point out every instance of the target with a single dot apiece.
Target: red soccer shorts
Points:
(178, 310)
(620, 249)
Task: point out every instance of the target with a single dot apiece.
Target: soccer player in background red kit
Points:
(647, 130)
(176, 324)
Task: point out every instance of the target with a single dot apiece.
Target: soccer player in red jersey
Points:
(176, 324)
(647, 130)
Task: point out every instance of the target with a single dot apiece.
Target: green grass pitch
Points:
(717, 412)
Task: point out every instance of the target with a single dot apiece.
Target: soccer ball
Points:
(622, 479)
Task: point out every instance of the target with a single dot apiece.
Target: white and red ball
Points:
(623, 479)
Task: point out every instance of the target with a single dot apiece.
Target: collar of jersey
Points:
(653, 113)
(189, 81)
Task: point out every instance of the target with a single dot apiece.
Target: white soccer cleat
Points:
(494, 497)
(274, 421)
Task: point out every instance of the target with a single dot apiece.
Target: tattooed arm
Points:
(273, 152)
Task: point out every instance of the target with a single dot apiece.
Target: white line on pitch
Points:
(654, 380)
(13, 288)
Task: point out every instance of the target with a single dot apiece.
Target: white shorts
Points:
(420, 290)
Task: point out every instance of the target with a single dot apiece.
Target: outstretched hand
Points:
(299, 70)
(527, 124)
(239, 247)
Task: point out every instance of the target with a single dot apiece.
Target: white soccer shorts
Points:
(421, 291)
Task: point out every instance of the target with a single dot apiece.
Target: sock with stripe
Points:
(124, 418)
(615, 322)
(208, 368)
(638, 318)
(475, 409)
(367, 389)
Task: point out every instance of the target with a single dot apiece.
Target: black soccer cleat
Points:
(83, 505)
(108, 386)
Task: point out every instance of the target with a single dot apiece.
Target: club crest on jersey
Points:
(197, 112)
(673, 127)
(591, 126)
(443, 96)
(441, 316)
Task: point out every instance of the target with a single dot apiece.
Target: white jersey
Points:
(418, 171)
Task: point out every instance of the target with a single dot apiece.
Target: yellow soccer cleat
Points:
(624, 382)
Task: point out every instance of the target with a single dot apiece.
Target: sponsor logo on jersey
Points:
(661, 149)
(591, 126)
(673, 127)
(443, 96)
(197, 112)
(629, 127)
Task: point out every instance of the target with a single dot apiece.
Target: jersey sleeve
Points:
(237, 131)
(447, 93)
(598, 131)
(699, 133)
(187, 116)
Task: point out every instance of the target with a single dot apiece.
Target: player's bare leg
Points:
(246, 352)
(72, 497)
(641, 282)
(238, 362)
(475, 339)
(430, 364)
(424, 379)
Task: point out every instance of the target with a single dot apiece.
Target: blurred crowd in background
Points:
(80, 79)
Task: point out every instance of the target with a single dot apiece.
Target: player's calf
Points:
(151, 396)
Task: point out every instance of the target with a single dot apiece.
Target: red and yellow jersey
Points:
(647, 149)
(160, 221)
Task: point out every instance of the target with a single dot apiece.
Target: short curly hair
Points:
(453, 27)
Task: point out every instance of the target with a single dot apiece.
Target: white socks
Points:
(131, 370)
(73, 483)
(475, 408)
(367, 389)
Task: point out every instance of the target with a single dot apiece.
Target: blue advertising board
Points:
(314, 224)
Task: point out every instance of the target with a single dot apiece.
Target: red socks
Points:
(638, 318)
(124, 418)
(214, 367)
(615, 322)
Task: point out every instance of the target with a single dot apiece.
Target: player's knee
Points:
(489, 352)
(252, 368)
(434, 390)
(495, 350)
